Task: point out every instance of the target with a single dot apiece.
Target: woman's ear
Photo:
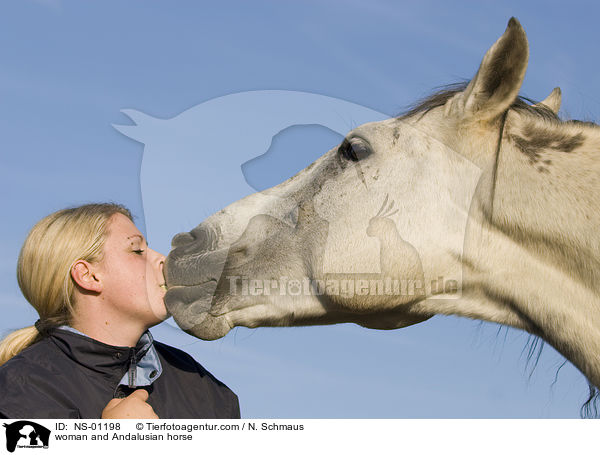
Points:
(498, 80)
(85, 277)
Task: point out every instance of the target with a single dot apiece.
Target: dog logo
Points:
(26, 434)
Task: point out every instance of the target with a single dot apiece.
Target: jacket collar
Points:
(112, 362)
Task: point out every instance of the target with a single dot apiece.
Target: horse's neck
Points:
(547, 196)
(514, 286)
(534, 263)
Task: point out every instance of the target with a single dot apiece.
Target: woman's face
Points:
(132, 277)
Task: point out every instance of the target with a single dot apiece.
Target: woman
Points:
(97, 288)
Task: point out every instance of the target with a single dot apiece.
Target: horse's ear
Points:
(553, 100)
(498, 80)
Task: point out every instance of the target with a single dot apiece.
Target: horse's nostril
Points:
(206, 236)
(182, 238)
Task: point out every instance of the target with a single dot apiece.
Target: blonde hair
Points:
(44, 267)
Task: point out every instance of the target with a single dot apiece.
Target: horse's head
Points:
(310, 251)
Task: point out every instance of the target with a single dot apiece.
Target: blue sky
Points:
(68, 68)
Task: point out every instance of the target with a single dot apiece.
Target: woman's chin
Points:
(159, 313)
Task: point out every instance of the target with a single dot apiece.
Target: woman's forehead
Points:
(123, 228)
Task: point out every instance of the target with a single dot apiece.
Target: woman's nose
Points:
(158, 260)
(156, 253)
(157, 257)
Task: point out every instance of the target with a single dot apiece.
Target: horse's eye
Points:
(354, 149)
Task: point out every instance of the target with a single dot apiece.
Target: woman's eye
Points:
(354, 149)
(138, 251)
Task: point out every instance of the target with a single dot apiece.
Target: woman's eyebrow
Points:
(141, 237)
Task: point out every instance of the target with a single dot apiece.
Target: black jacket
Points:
(67, 375)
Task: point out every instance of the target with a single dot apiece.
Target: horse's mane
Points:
(529, 106)
(522, 104)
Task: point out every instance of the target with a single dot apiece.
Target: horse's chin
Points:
(190, 306)
(210, 328)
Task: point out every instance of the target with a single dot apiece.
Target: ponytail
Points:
(16, 341)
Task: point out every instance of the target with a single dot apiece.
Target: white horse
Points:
(475, 203)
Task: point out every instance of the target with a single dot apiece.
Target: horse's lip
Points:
(185, 303)
(193, 270)
(172, 286)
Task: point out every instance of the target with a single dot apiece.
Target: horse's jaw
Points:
(273, 275)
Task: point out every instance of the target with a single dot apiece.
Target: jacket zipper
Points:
(132, 368)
